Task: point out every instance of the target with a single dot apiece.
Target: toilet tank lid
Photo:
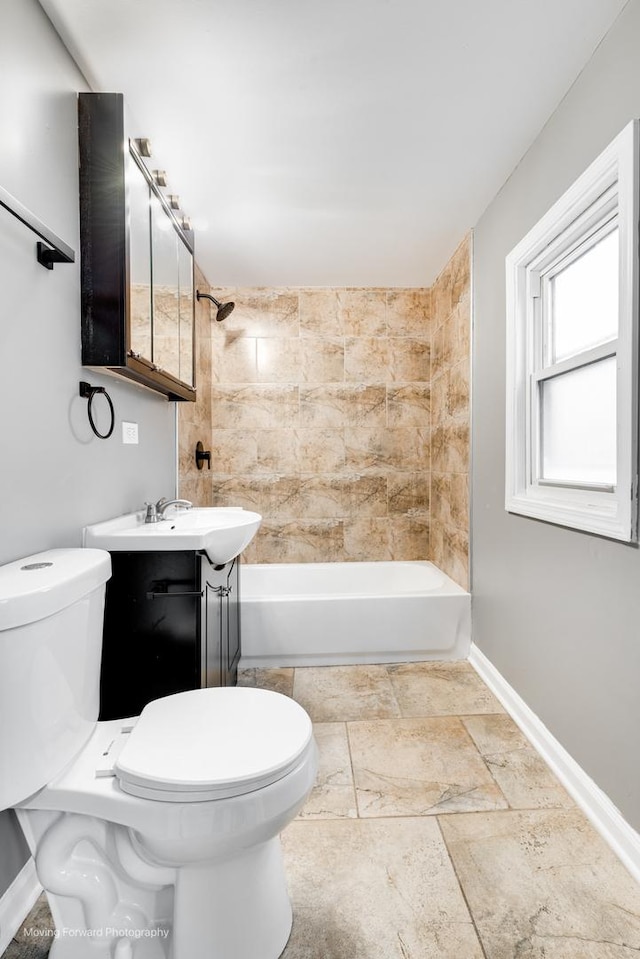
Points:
(40, 585)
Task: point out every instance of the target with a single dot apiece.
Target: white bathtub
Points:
(323, 614)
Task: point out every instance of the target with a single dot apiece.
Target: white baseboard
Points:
(17, 902)
(604, 816)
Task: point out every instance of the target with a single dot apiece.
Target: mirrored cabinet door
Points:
(186, 302)
(136, 260)
(165, 291)
(139, 262)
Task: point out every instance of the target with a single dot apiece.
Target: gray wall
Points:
(55, 476)
(556, 611)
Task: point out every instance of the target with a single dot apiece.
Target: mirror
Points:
(137, 265)
(161, 289)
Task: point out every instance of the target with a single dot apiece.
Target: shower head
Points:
(223, 308)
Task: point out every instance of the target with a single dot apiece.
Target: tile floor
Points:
(435, 831)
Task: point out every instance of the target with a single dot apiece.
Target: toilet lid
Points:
(212, 743)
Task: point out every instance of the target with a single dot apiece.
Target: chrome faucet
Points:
(155, 511)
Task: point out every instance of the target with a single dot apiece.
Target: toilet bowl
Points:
(155, 837)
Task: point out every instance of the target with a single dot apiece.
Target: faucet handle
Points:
(152, 513)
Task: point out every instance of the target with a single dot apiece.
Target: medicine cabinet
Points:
(137, 262)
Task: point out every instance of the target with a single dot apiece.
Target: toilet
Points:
(155, 837)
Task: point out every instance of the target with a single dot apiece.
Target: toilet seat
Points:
(213, 743)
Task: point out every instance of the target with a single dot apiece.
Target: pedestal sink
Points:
(221, 532)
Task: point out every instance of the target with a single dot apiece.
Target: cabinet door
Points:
(220, 644)
(233, 632)
(151, 629)
(212, 638)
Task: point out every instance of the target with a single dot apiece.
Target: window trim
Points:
(606, 192)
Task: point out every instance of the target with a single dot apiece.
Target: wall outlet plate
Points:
(129, 432)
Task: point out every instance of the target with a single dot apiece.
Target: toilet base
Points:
(235, 909)
(109, 900)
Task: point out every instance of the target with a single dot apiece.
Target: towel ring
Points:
(88, 392)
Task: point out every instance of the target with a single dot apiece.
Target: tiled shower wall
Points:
(450, 419)
(194, 419)
(321, 420)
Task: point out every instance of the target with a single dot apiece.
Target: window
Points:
(572, 344)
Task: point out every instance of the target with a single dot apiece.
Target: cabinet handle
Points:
(222, 590)
(165, 594)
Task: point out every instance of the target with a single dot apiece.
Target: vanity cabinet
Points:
(137, 266)
(172, 623)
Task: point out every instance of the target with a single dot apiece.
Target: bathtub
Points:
(328, 614)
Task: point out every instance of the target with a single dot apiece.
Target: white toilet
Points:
(155, 837)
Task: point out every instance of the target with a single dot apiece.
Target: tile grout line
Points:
(353, 774)
(460, 887)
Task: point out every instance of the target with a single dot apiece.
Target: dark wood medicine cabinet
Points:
(137, 263)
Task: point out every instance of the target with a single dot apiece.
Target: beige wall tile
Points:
(299, 541)
(275, 497)
(277, 451)
(364, 405)
(320, 313)
(408, 405)
(234, 451)
(263, 312)
(408, 493)
(366, 359)
(409, 312)
(321, 359)
(363, 312)
(234, 359)
(409, 537)
(278, 359)
(334, 405)
(367, 539)
(326, 495)
(320, 450)
(322, 406)
(391, 449)
(409, 359)
(457, 402)
(254, 406)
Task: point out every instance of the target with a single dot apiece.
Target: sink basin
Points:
(221, 532)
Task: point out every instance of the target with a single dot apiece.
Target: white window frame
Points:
(604, 197)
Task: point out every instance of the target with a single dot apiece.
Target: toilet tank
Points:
(51, 617)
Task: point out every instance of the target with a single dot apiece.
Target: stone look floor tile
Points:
(441, 689)
(279, 680)
(542, 884)
(523, 776)
(342, 693)
(333, 796)
(380, 889)
(26, 945)
(419, 767)
(539, 883)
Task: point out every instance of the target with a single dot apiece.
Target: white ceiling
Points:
(334, 142)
